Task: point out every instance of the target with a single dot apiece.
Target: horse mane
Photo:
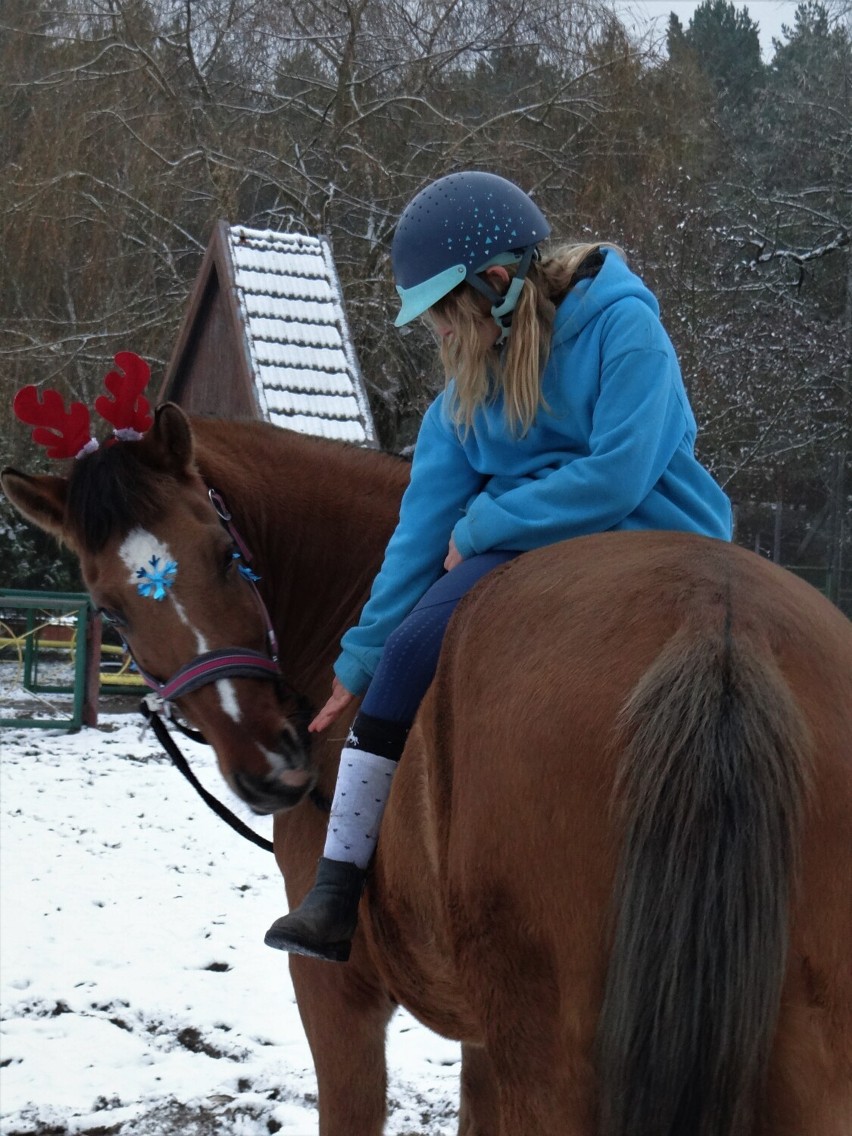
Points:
(117, 487)
(109, 493)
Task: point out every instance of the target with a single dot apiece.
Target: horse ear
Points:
(41, 499)
(169, 441)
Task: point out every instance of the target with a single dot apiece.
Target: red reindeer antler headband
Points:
(67, 433)
(128, 411)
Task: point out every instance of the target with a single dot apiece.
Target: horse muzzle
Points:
(287, 780)
(273, 792)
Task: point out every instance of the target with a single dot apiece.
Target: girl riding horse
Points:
(564, 414)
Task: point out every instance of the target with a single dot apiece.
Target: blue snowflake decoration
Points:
(156, 581)
(244, 569)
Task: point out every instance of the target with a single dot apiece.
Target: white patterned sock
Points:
(360, 796)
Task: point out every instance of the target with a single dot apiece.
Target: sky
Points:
(136, 995)
(769, 15)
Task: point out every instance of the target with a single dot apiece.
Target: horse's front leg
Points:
(345, 1012)
(479, 1108)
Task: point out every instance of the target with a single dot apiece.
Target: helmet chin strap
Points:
(503, 307)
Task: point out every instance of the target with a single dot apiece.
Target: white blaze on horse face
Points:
(201, 644)
(139, 548)
(136, 552)
(224, 687)
(228, 698)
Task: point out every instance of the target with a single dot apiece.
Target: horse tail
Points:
(712, 784)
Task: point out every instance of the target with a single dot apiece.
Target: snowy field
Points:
(136, 994)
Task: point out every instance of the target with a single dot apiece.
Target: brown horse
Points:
(616, 860)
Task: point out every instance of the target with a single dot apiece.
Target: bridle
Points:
(210, 666)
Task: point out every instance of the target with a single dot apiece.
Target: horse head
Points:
(161, 566)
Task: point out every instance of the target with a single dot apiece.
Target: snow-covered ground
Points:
(137, 996)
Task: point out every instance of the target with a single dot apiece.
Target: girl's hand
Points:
(341, 699)
(454, 557)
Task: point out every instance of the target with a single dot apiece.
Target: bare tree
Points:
(142, 121)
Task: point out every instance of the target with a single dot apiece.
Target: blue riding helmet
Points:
(455, 228)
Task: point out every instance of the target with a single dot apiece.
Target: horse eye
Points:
(112, 617)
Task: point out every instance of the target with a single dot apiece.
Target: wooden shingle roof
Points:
(278, 296)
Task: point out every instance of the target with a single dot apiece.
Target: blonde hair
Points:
(482, 373)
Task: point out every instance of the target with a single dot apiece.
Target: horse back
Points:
(493, 890)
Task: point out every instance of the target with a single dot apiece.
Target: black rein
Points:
(179, 761)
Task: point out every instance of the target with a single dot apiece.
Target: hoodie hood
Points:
(588, 298)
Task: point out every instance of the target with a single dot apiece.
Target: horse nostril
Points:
(294, 749)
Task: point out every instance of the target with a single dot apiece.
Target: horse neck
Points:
(317, 517)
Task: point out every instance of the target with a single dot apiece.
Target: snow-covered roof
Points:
(297, 339)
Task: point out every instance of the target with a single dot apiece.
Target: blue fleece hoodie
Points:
(612, 450)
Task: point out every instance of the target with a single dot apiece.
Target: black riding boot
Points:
(323, 924)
